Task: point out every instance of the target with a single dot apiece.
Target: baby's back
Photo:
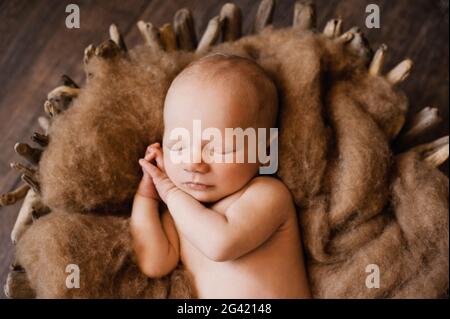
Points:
(274, 269)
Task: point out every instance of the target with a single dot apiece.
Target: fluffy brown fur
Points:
(101, 247)
(97, 141)
(358, 205)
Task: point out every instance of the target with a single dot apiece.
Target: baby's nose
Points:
(201, 168)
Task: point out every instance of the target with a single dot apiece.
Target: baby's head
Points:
(221, 91)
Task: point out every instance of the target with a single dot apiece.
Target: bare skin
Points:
(236, 232)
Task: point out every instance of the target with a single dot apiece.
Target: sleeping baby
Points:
(235, 230)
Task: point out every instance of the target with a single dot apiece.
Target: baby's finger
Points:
(150, 156)
(159, 159)
(152, 146)
(145, 175)
(150, 168)
(146, 166)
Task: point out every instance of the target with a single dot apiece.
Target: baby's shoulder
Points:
(262, 192)
(268, 182)
(266, 197)
(268, 188)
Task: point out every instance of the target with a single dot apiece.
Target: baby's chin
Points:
(205, 196)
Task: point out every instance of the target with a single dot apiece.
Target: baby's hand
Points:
(146, 187)
(157, 173)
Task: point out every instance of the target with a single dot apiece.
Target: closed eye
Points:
(225, 150)
(178, 146)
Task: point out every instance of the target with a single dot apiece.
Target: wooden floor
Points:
(36, 49)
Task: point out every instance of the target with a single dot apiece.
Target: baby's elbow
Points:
(218, 256)
(157, 267)
(155, 270)
(221, 252)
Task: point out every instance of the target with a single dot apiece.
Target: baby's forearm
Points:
(150, 242)
(203, 227)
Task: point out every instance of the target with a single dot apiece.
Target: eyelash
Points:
(226, 152)
(176, 149)
(173, 148)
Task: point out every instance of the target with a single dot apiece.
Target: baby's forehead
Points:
(222, 73)
(226, 80)
(229, 92)
(214, 103)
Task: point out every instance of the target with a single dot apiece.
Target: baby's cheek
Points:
(166, 160)
(171, 169)
(236, 174)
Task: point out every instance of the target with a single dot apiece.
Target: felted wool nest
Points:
(359, 204)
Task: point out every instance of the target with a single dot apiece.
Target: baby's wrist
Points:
(171, 193)
(146, 189)
(147, 196)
